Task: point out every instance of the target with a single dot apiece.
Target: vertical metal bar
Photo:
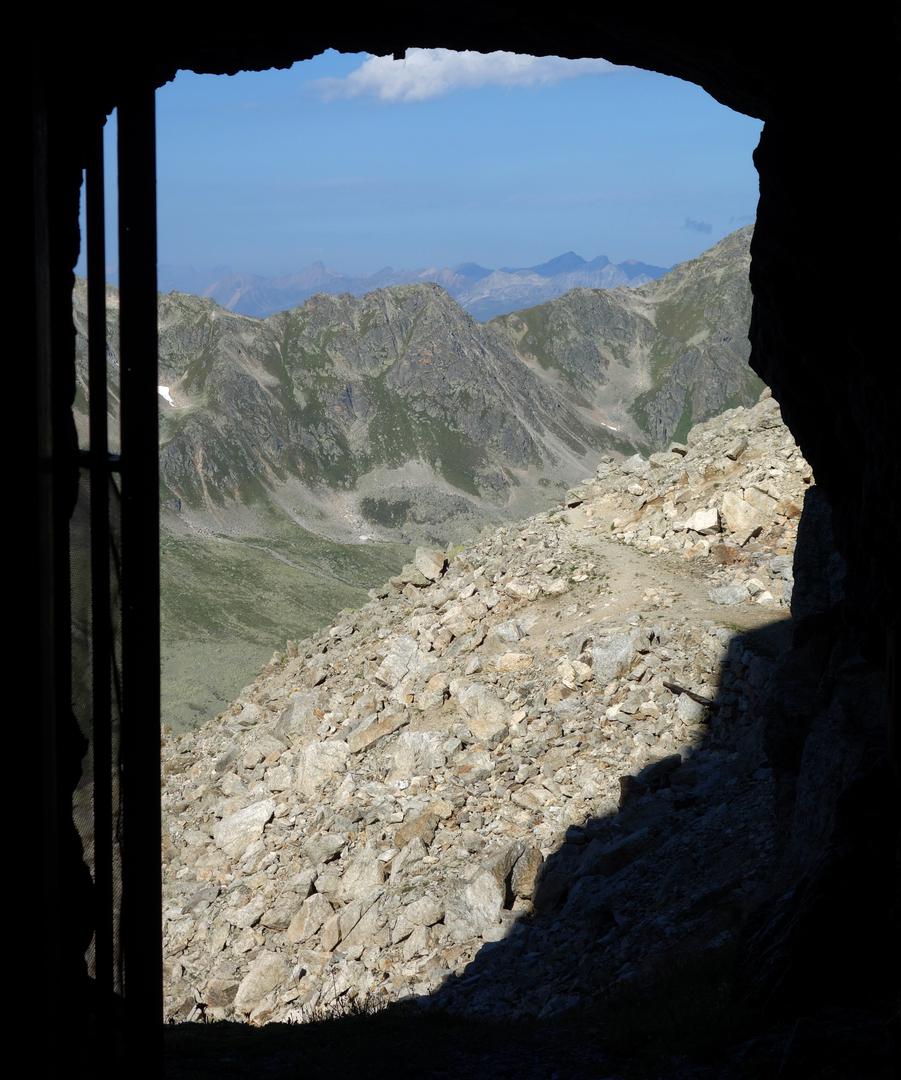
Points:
(48, 561)
(101, 630)
(142, 876)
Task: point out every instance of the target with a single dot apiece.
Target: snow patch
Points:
(163, 392)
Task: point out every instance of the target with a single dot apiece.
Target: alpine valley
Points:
(304, 455)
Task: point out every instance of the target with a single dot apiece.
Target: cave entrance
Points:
(126, 482)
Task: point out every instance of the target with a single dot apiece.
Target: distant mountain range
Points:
(483, 292)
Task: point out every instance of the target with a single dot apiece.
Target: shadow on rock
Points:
(644, 908)
(734, 918)
(738, 907)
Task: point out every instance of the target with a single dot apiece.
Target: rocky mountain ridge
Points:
(516, 779)
(656, 360)
(398, 400)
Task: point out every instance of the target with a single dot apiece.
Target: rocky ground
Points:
(521, 779)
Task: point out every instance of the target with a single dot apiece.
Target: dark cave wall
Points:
(824, 273)
(822, 335)
(824, 340)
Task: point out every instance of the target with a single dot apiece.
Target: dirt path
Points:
(683, 588)
(626, 581)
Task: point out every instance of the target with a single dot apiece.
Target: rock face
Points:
(340, 394)
(654, 360)
(501, 765)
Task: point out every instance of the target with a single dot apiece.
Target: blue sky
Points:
(363, 162)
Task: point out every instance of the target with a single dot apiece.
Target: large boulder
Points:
(235, 833)
(320, 763)
(486, 715)
(267, 972)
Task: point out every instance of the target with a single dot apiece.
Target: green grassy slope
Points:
(227, 604)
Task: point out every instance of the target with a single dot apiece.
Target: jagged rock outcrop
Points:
(504, 760)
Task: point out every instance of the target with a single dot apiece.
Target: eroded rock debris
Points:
(518, 776)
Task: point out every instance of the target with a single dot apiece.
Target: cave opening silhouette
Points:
(812, 962)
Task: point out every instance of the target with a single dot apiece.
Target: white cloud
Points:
(429, 73)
